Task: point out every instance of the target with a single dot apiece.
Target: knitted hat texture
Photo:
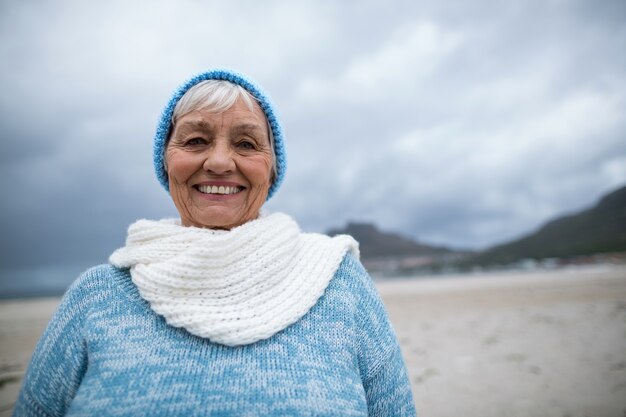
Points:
(165, 122)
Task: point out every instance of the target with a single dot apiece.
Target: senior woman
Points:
(228, 310)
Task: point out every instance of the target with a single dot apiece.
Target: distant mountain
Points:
(600, 229)
(375, 244)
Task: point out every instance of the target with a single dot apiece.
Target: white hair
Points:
(218, 96)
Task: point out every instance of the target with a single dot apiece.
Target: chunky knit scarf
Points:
(233, 287)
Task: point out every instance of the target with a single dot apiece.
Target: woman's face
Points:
(219, 166)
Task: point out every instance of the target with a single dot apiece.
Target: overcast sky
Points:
(457, 123)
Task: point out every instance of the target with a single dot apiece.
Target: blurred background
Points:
(461, 125)
(446, 136)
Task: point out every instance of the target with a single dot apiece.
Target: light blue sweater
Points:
(106, 353)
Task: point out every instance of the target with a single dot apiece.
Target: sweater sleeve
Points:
(382, 368)
(60, 357)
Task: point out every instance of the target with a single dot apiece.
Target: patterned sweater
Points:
(107, 353)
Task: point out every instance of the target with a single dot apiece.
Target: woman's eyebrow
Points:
(246, 127)
(194, 125)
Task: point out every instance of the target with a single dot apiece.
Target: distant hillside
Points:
(378, 244)
(600, 229)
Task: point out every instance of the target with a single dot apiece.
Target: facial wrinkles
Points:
(222, 133)
(208, 131)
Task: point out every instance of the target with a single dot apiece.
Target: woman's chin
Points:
(217, 218)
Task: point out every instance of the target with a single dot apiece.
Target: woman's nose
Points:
(219, 160)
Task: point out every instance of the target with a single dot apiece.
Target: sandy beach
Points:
(506, 344)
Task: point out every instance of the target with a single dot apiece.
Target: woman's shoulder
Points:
(354, 274)
(95, 276)
(352, 279)
(99, 281)
(95, 290)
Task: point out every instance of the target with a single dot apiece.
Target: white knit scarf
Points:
(233, 287)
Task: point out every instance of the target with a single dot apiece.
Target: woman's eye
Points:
(246, 145)
(195, 141)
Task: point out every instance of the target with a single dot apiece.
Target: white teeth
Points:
(208, 189)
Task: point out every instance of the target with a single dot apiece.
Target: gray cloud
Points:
(463, 124)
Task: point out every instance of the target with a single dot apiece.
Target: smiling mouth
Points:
(221, 190)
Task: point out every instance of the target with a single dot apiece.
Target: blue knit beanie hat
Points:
(165, 122)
